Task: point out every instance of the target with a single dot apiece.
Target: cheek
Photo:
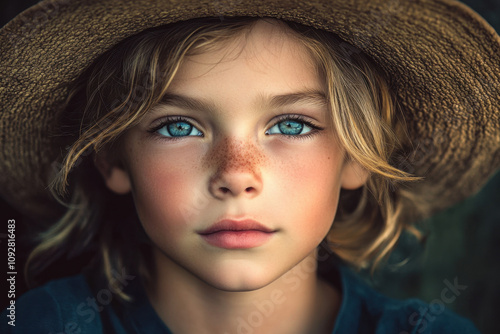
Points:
(318, 191)
(309, 182)
(313, 174)
(164, 191)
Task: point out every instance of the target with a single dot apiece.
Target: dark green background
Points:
(463, 242)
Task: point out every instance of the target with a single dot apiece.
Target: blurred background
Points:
(462, 247)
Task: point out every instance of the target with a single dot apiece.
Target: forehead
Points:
(267, 51)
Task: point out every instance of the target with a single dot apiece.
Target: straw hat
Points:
(443, 60)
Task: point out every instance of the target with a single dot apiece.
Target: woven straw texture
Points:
(443, 60)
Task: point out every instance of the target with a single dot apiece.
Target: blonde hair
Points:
(124, 83)
(371, 130)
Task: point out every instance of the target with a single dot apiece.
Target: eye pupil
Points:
(291, 127)
(179, 129)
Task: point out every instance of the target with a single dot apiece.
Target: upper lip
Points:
(236, 225)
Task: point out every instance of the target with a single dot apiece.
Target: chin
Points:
(237, 286)
(239, 279)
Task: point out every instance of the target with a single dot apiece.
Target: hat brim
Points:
(443, 61)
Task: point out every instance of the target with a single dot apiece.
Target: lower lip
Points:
(237, 239)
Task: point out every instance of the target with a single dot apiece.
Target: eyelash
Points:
(166, 121)
(290, 117)
(301, 119)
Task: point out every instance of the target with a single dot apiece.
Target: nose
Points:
(237, 166)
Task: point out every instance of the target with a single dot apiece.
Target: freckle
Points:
(230, 155)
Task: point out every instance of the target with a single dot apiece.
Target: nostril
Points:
(226, 190)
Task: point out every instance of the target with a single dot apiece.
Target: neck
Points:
(296, 303)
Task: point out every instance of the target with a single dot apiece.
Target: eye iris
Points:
(179, 129)
(291, 127)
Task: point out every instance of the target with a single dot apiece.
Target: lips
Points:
(237, 234)
(236, 225)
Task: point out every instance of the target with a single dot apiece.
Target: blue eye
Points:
(179, 128)
(290, 127)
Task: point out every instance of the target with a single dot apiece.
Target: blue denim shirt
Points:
(71, 306)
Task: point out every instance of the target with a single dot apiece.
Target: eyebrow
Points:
(315, 97)
(189, 103)
(311, 96)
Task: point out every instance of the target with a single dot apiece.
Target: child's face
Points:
(230, 160)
